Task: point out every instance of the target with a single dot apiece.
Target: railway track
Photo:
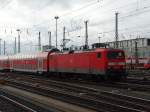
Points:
(139, 74)
(129, 84)
(81, 99)
(98, 100)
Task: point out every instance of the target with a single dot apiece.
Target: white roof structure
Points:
(29, 55)
(4, 57)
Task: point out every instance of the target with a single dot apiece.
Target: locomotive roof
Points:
(92, 50)
(107, 49)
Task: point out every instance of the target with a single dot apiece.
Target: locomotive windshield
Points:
(114, 55)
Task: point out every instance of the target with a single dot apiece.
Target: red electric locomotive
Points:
(100, 62)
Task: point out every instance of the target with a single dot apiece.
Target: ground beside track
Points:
(6, 106)
(46, 102)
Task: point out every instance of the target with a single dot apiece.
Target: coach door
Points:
(53, 63)
(40, 65)
(91, 68)
(11, 64)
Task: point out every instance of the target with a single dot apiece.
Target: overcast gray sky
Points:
(32, 16)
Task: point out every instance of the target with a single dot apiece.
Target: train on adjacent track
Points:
(139, 63)
(147, 65)
(99, 62)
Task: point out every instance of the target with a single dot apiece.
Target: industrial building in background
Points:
(134, 47)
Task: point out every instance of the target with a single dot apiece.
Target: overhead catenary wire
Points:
(72, 11)
(123, 16)
(90, 4)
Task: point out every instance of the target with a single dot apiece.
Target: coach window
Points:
(99, 55)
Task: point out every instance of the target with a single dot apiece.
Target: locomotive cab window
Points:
(114, 55)
(99, 55)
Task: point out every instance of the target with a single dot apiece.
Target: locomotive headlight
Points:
(111, 63)
(116, 63)
(122, 63)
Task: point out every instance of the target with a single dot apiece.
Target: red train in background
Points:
(147, 65)
(101, 62)
(143, 63)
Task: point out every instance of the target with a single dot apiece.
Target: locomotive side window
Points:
(114, 55)
(99, 55)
